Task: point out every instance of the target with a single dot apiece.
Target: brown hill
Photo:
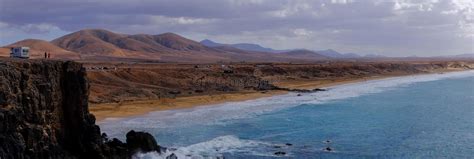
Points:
(167, 47)
(176, 42)
(4, 52)
(92, 42)
(39, 47)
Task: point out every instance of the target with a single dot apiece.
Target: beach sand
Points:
(133, 108)
(140, 107)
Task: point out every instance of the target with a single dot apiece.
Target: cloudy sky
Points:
(387, 27)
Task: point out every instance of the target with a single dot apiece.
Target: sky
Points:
(385, 27)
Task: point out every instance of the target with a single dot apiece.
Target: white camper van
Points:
(20, 52)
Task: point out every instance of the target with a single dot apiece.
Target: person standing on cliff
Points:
(45, 55)
(49, 55)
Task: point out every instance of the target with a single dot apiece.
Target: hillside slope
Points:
(38, 48)
(166, 47)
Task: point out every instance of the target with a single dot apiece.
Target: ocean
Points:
(420, 116)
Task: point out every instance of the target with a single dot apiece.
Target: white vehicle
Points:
(20, 52)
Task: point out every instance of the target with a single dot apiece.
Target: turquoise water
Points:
(426, 116)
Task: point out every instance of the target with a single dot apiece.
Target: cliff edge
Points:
(44, 114)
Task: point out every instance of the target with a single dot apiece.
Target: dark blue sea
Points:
(421, 116)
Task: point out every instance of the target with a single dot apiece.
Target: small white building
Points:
(20, 52)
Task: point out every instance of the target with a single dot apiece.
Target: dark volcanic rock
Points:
(328, 149)
(141, 141)
(44, 114)
(300, 90)
(172, 156)
(280, 153)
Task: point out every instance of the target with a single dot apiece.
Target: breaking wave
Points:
(214, 148)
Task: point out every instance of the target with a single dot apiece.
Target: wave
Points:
(214, 148)
(227, 112)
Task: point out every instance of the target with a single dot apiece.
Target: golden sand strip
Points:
(140, 107)
(133, 108)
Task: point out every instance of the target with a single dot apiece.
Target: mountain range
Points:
(100, 44)
(255, 47)
(242, 46)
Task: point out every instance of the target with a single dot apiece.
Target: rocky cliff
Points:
(44, 114)
(115, 83)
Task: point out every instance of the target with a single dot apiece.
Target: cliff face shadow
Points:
(44, 114)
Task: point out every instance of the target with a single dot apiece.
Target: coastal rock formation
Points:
(122, 82)
(141, 141)
(44, 114)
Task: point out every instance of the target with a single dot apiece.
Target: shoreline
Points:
(125, 109)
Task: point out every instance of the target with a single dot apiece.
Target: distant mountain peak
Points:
(241, 46)
(210, 43)
(331, 50)
(334, 54)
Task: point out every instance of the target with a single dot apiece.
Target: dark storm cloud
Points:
(391, 27)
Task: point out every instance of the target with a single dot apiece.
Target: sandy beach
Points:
(140, 107)
(133, 108)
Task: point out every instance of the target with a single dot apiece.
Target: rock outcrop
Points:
(140, 141)
(44, 114)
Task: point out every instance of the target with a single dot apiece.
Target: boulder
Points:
(280, 153)
(172, 156)
(328, 149)
(141, 141)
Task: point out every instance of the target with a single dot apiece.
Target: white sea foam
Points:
(213, 149)
(223, 113)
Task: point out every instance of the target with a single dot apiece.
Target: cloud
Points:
(302, 32)
(290, 9)
(162, 20)
(38, 28)
(466, 10)
(246, 2)
(341, 1)
(10, 33)
(421, 5)
(184, 20)
(390, 27)
(3, 25)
